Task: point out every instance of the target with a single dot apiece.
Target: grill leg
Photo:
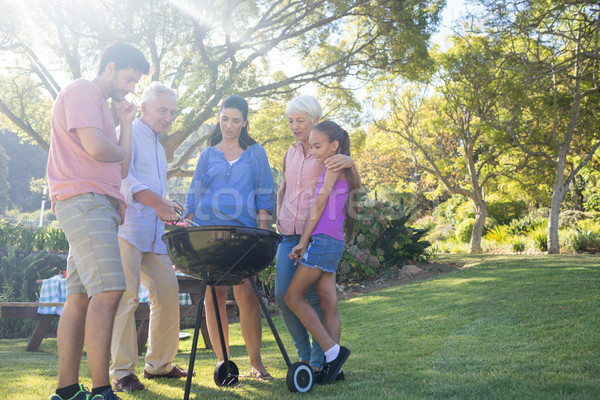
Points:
(188, 382)
(270, 321)
(220, 326)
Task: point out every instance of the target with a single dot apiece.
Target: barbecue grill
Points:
(224, 255)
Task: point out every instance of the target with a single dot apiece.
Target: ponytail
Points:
(334, 132)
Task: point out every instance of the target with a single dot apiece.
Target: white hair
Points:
(154, 89)
(305, 104)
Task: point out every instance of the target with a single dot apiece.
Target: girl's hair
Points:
(240, 104)
(305, 104)
(335, 132)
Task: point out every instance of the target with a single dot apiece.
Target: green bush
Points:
(19, 271)
(526, 224)
(25, 238)
(449, 210)
(589, 224)
(497, 234)
(517, 244)
(570, 218)
(56, 240)
(503, 212)
(464, 230)
(12, 234)
(381, 235)
(585, 240)
(426, 222)
(539, 235)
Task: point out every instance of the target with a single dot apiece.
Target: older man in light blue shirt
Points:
(143, 252)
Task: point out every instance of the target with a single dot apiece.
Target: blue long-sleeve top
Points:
(224, 193)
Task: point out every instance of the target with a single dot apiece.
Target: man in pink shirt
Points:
(86, 164)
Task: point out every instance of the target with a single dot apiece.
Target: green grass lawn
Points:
(506, 327)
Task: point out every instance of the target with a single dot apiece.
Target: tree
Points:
(553, 48)
(447, 132)
(3, 180)
(24, 162)
(205, 50)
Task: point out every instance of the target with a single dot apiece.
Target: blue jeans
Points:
(284, 272)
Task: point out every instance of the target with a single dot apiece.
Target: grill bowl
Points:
(226, 254)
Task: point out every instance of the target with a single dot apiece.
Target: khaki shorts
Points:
(91, 222)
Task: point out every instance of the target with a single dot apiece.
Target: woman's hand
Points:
(297, 253)
(189, 219)
(338, 162)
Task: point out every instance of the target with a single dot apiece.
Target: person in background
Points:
(233, 185)
(300, 171)
(143, 252)
(332, 216)
(86, 163)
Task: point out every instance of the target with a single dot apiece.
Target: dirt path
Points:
(347, 291)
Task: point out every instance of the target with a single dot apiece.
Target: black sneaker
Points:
(318, 376)
(333, 368)
(82, 394)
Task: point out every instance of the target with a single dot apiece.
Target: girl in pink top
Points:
(321, 246)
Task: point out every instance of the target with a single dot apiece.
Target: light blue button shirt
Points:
(148, 170)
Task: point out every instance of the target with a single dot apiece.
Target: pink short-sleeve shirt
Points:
(71, 170)
(301, 175)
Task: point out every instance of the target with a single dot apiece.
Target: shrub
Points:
(503, 212)
(449, 210)
(524, 225)
(464, 230)
(426, 222)
(539, 235)
(570, 218)
(585, 240)
(56, 240)
(19, 271)
(588, 224)
(381, 235)
(12, 234)
(497, 234)
(517, 244)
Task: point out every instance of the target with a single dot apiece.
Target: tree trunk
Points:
(480, 216)
(558, 195)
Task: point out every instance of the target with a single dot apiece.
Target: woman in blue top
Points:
(233, 185)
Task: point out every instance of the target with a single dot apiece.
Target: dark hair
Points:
(334, 132)
(124, 56)
(240, 104)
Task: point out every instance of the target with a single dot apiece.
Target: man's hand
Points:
(126, 111)
(165, 210)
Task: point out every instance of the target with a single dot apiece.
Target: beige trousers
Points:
(156, 273)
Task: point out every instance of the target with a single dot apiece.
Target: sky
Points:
(453, 11)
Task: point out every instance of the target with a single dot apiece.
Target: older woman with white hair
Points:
(300, 172)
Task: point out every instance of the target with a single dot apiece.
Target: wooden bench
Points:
(142, 315)
(30, 310)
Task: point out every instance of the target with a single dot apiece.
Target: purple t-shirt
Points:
(331, 222)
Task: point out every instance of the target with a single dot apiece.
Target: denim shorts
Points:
(323, 252)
